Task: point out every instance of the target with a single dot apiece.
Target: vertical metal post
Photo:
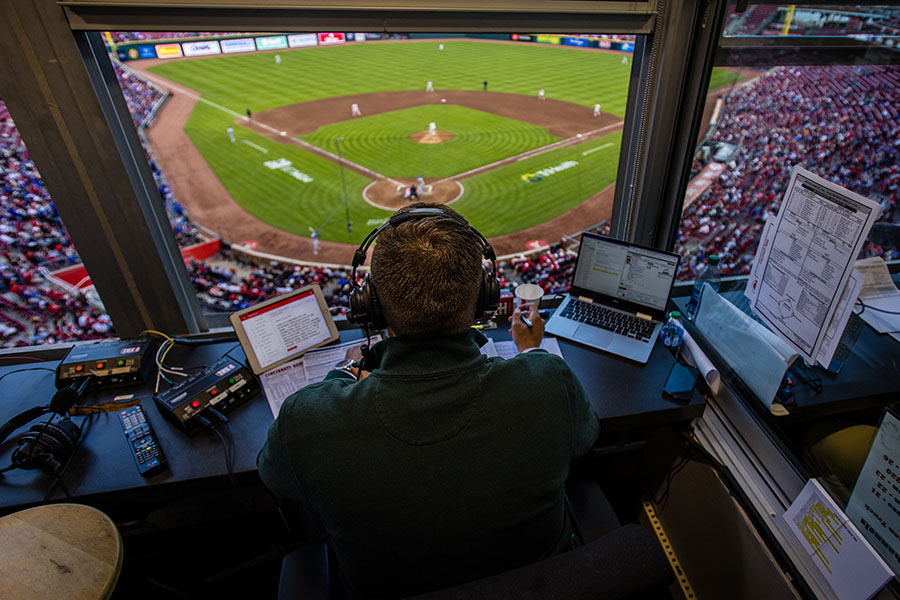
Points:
(344, 185)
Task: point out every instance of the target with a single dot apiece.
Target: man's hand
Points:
(523, 336)
(355, 353)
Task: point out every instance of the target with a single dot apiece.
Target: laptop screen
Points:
(630, 273)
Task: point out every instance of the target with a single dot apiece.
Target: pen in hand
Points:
(526, 320)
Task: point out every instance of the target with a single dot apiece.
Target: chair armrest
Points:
(304, 574)
(624, 563)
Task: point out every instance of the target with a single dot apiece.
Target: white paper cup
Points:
(530, 293)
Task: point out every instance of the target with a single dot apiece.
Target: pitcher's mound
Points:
(389, 196)
(426, 137)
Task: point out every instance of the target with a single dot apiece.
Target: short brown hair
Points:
(428, 273)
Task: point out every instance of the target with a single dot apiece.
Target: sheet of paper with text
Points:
(815, 240)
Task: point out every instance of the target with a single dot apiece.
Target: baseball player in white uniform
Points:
(429, 87)
(596, 110)
(541, 93)
(354, 110)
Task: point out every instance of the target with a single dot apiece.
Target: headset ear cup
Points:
(365, 308)
(46, 443)
(488, 295)
(376, 316)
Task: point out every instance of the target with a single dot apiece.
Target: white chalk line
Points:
(260, 148)
(586, 152)
(304, 144)
(535, 152)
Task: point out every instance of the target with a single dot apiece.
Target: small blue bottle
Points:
(672, 333)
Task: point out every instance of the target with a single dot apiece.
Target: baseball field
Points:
(518, 166)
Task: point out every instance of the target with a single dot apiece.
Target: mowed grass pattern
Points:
(500, 200)
(274, 196)
(495, 200)
(382, 142)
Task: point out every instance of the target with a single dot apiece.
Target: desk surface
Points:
(869, 379)
(625, 395)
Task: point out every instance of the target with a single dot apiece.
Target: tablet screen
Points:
(284, 328)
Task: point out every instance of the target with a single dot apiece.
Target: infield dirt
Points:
(209, 203)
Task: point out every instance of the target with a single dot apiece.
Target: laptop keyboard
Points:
(611, 320)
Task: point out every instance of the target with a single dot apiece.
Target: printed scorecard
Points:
(282, 329)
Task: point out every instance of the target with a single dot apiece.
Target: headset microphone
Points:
(68, 396)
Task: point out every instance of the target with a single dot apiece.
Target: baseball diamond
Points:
(292, 162)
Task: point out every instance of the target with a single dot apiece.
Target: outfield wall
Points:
(166, 49)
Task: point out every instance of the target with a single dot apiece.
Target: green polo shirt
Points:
(442, 466)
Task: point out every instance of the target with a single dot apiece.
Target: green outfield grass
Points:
(497, 201)
(382, 142)
(500, 200)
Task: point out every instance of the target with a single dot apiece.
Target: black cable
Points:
(85, 427)
(210, 426)
(28, 369)
(881, 310)
(670, 476)
(40, 435)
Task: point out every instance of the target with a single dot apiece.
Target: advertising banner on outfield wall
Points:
(521, 37)
(302, 39)
(331, 38)
(126, 52)
(576, 41)
(272, 42)
(606, 44)
(238, 45)
(201, 48)
(625, 47)
(358, 37)
(168, 50)
(547, 39)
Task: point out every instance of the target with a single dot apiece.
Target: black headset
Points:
(45, 444)
(365, 308)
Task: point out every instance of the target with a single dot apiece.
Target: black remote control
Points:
(144, 447)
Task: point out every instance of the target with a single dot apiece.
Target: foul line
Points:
(190, 94)
(536, 152)
(249, 143)
(586, 152)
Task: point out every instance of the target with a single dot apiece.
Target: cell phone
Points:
(680, 382)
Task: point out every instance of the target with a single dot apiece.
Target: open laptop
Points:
(618, 298)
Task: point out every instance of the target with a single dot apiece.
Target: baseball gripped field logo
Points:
(285, 166)
(539, 175)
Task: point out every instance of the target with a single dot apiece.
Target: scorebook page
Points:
(815, 240)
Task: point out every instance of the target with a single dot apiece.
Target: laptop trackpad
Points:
(593, 336)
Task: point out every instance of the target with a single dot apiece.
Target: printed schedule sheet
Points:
(815, 240)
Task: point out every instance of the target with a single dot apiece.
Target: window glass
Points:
(275, 154)
(864, 22)
(840, 121)
(46, 296)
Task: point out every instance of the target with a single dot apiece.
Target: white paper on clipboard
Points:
(841, 316)
(312, 367)
(817, 236)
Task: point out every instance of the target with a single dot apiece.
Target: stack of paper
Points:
(879, 294)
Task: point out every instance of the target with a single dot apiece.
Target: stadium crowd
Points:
(841, 122)
(119, 37)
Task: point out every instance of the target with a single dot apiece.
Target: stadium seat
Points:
(620, 562)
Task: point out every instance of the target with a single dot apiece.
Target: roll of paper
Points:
(693, 354)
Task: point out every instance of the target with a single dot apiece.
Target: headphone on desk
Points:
(365, 308)
(46, 444)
